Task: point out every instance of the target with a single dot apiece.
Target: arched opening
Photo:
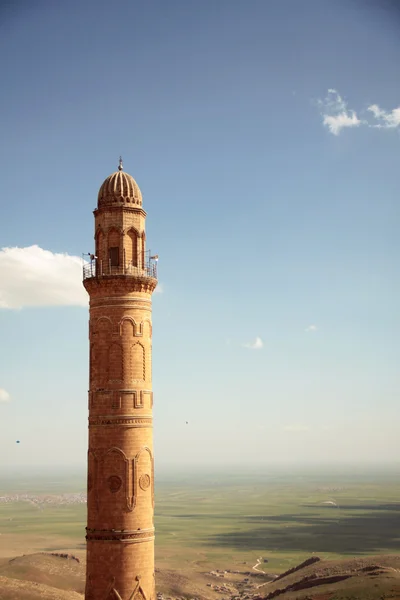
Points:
(99, 250)
(143, 249)
(113, 248)
(132, 250)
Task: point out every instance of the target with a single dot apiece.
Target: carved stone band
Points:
(113, 535)
(120, 421)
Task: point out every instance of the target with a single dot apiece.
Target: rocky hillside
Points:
(45, 576)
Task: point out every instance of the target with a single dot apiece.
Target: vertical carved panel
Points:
(92, 364)
(138, 362)
(102, 336)
(92, 484)
(115, 363)
(116, 477)
(138, 400)
(143, 472)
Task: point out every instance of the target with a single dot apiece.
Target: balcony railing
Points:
(99, 268)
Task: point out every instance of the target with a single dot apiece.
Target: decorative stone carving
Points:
(111, 421)
(113, 535)
(144, 395)
(144, 481)
(116, 401)
(113, 594)
(114, 483)
(127, 327)
(138, 400)
(115, 460)
(146, 324)
(138, 362)
(136, 477)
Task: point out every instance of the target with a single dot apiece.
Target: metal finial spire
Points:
(120, 166)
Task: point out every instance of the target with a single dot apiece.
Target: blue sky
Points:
(264, 137)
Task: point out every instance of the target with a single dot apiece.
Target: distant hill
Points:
(366, 578)
(42, 575)
(16, 589)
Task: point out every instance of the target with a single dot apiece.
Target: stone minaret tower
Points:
(120, 280)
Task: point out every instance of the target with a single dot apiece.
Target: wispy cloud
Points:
(159, 289)
(296, 428)
(311, 328)
(387, 120)
(4, 396)
(35, 277)
(337, 116)
(256, 345)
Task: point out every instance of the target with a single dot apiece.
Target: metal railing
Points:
(99, 268)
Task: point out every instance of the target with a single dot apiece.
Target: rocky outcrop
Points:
(303, 565)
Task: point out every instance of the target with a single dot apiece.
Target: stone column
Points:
(120, 527)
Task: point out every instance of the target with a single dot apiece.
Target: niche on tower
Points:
(115, 363)
(127, 329)
(100, 248)
(114, 249)
(102, 332)
(143, 473)
(132, 250)
(116, 478)
(137, 362)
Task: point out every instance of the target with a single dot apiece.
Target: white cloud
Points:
(311, 328)
(336, 123)
(159, 289)
(336, 115)
(297, 428)
(4, 396)
(256, 345)
(387, 120)
(32, 276)
(35, 277)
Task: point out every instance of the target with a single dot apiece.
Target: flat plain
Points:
(210, 520)
(269, 519)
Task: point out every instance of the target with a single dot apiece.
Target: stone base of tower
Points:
(109, 573)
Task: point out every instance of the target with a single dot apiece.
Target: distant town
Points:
(40, 501)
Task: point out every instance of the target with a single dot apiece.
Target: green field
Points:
(223, 520)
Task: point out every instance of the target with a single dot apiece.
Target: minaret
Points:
(120, 280)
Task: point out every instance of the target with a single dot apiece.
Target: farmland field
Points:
(223, 519)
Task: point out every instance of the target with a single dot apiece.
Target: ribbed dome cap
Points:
(119, 189)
